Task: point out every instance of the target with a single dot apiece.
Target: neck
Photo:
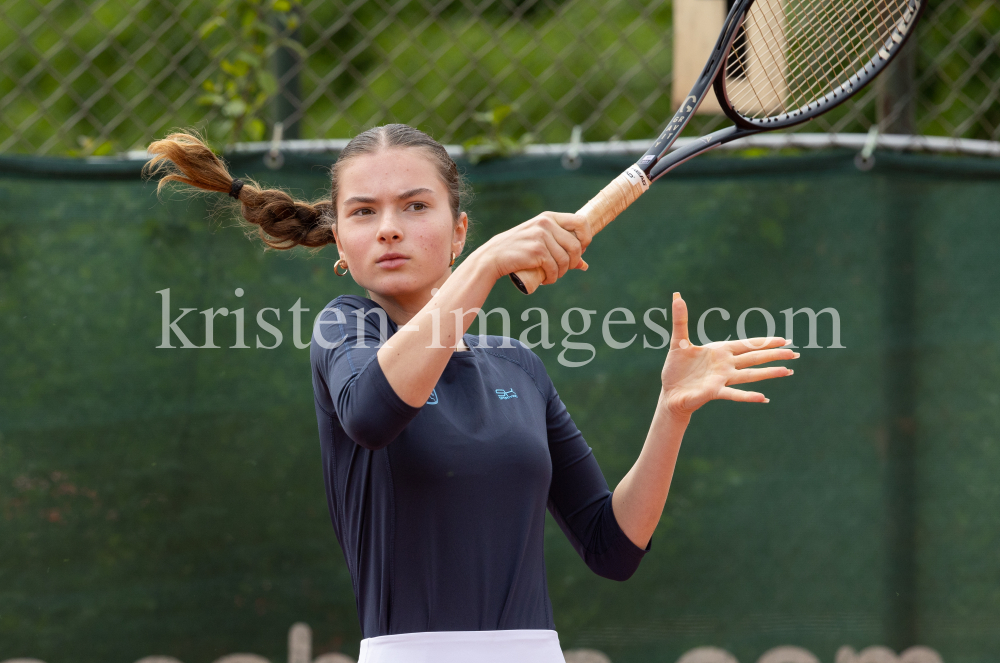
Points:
(402, 307)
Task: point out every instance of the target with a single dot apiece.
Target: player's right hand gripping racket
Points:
(777, 63)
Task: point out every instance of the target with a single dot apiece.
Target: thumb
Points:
(679, 312)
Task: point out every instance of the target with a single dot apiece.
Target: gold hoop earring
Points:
(452, 259)
(341, 264)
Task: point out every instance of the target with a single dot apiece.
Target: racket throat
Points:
(731, 28)
(697, 147)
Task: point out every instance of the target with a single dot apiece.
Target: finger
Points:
(582, 265)
(558, 252)
(745, 345)
(541, 251)
(758, 374)
(550, 268)
(730, 394)
(569, 242)
(679, 312)
(758, 357)
(576, 224)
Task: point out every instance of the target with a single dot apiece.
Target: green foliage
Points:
(961, 45)
(90, 146)
(495, 143)
(75, 79)
(242, 89)
(553, 66)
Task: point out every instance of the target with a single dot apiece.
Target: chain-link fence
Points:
(103, 76)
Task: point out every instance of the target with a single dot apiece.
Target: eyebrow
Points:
(403, 196)
(419, 191)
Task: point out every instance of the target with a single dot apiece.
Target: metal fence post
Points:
(897, 93)
(900, 200)
(287, 103)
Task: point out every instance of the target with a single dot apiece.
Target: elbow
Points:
(370, 412)
(367, 433)
(620, 559)
(618, 572)
(369, 423)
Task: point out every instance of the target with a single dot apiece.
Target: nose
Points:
(389, 229)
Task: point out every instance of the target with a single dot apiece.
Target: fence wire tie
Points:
(571, 159)
(274, 159)
(865, 159)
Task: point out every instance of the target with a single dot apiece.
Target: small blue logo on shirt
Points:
(503, 394)
(433, 400)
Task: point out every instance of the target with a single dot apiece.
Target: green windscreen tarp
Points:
(170, 501)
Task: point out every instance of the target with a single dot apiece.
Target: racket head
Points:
(791, 60)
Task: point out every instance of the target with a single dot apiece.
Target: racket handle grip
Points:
(599, 212)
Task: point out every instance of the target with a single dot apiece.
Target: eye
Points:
(362, 211)
(417, 206)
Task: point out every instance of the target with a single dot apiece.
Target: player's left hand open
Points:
(695, 374)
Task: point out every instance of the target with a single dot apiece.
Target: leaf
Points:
(238, 68)
(105, 148)
(281, 5)
(255, 129)
(295, 45)
(260, 100)
(224, 128)
(211, 100)
(235, 108)
(209, 26)
(268, 83)
(249, 58)
(500, 113)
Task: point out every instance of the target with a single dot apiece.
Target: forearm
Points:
(416, 355)
(639, 498)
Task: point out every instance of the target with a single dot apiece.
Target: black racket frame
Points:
(657, 162)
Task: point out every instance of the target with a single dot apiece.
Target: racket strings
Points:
(795, 52)
(769, 74)
(832, 45)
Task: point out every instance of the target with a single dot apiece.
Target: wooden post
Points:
(697, 24)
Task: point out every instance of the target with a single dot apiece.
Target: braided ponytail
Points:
(279, 220)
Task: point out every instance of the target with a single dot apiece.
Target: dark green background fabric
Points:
(170, 501)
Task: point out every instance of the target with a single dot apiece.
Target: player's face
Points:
(394, 223)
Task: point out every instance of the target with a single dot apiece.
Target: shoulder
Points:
(347, 304)
(347, 321)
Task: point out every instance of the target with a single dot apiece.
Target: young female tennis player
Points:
(441, 455)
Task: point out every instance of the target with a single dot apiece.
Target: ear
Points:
(336, 239)
(460, 233)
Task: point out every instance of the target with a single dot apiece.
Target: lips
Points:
(392, 259)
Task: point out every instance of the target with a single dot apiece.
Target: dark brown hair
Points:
(281, 221)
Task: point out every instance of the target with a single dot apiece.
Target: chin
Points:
(397, 285)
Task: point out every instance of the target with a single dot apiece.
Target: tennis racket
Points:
(776, 64)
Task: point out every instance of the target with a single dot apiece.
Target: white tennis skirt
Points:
(522, 646)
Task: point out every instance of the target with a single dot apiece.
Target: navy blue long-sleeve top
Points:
(440, 509)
